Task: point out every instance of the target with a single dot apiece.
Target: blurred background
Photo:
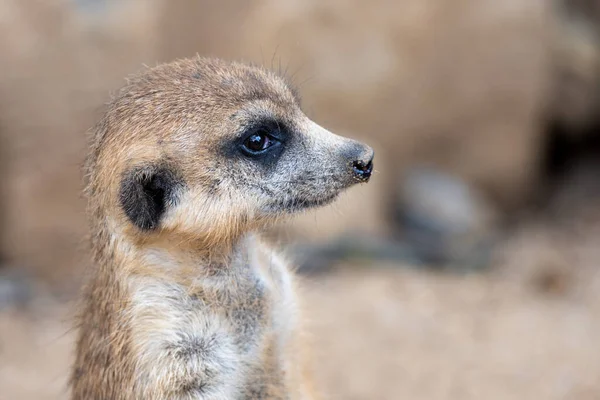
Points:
(468, 268)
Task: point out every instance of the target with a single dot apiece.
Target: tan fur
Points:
(198, 307)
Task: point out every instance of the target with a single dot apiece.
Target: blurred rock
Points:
(444, 220)
(15, 288)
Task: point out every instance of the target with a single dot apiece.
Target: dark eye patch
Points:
(261, 142)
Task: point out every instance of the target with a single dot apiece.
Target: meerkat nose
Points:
(361, 162)
(362, 170)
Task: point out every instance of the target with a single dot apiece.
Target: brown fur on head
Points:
(202, 150)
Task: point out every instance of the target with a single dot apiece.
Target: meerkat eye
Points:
(258, 143)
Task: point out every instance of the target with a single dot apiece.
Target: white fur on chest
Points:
(202, 342)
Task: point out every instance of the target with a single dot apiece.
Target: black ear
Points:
(145, 194)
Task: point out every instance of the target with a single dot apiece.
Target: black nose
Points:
(363, 168)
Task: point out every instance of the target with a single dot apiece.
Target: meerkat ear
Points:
(145, 194)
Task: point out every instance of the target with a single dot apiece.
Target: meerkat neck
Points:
(168, 259)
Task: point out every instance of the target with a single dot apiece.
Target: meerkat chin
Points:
(185, 302)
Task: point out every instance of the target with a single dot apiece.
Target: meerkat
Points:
(189, 162)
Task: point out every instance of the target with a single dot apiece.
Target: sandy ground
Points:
(527, 330)
(399, 335)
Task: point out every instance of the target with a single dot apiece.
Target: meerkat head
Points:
(207, 149)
